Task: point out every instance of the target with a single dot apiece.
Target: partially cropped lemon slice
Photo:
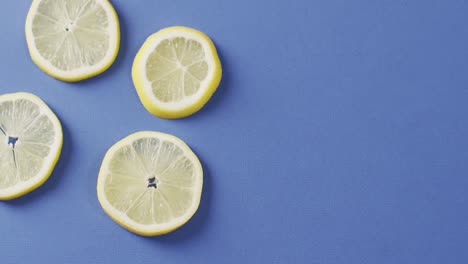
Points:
(150, 183)
(30, 144)
(176, 72)
(72, 40)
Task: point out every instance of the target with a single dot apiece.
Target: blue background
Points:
(339, 134)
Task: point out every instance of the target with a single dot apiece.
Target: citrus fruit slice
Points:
(30, 144)
(72, 40)
(150, 183)
(176, 72)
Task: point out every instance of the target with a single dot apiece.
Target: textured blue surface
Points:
(339, 134)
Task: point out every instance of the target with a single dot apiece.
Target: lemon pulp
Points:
(30, 143)
(176, 72)
(72, 39)
(150, 183)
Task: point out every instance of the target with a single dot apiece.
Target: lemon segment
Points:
(150, 183)
(30, 144)
(72, 40)
(176, 72)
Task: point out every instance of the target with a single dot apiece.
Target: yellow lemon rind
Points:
(139, 78)
(73, 78)
(126, 222)
(43, 178)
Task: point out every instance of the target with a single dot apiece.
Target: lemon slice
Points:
(72, 40)
(30, 144)
(150, 183)
(176, 72)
